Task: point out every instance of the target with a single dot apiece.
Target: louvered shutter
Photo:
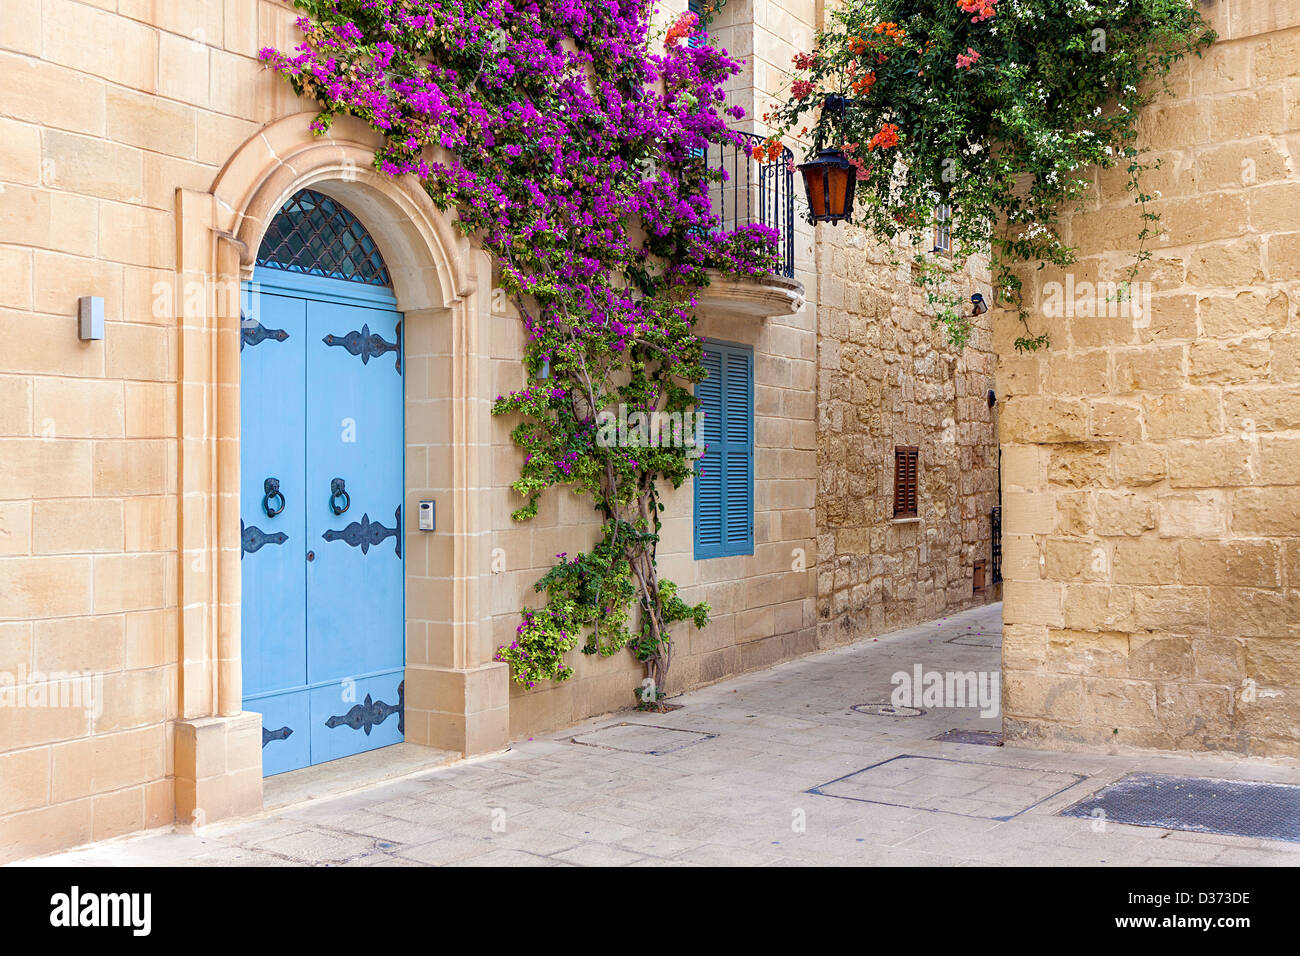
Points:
(724, 489)
(906, 482)
(708, 469)
(738, 426)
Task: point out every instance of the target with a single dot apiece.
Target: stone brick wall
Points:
(762, 603)
(1152, 462)
(886, 378)
(105, 110)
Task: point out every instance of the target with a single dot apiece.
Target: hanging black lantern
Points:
(979, 306)
(830, 179)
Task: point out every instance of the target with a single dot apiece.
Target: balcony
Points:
(754, 192)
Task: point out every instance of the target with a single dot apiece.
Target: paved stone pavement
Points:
(735, 788)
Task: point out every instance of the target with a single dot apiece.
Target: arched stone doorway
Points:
(455, 697)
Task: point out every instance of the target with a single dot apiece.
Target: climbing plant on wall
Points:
(998, 109)
(569, 139)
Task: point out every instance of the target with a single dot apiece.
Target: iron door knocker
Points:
(339, 490)
(272, 488)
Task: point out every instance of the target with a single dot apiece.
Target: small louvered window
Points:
(943, 230)
(905, 481)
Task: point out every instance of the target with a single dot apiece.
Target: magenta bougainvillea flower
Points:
(571, 144)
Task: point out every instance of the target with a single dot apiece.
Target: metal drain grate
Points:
(887, 710)
(982, 738)
(1247, 808)
(641, 738)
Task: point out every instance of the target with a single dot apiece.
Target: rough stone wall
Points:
(887, 378)
(1151, 462)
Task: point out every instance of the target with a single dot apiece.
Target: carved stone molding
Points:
(750, 298)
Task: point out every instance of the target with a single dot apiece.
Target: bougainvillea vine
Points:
(570, 140)
(998, 111)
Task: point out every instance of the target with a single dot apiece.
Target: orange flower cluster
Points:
(886, 138)
(983, 9)
(887, 32)
(862, 84)
(768, 150)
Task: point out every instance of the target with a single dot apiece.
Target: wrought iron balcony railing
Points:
(756, 191)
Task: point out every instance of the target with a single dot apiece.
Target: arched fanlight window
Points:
(317, 235)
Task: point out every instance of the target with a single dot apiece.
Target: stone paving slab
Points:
(741, 797)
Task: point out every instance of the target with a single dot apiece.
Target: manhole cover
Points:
(976, 640)
(982, 738)
(963, 787)
(887, 710)
(1247, 808)
(641, 738)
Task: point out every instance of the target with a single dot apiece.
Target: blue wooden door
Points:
(322, 454)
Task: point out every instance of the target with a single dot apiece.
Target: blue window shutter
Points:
(708, 469)
(738, 423)
(724, 489)
(697, 39)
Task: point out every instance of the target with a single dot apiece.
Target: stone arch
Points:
(430, 261)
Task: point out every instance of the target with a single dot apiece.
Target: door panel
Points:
(323, 604)
(357, 715)
(272, 445)
(354, 433)
(286, 730)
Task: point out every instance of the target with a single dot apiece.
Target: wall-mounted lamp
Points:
(830, 179)
(979, 306)
(90, 318)
(993, 398)
(829, 182)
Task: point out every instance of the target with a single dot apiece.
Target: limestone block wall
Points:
(1152, 461)
(886, 378)
(105, 110)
